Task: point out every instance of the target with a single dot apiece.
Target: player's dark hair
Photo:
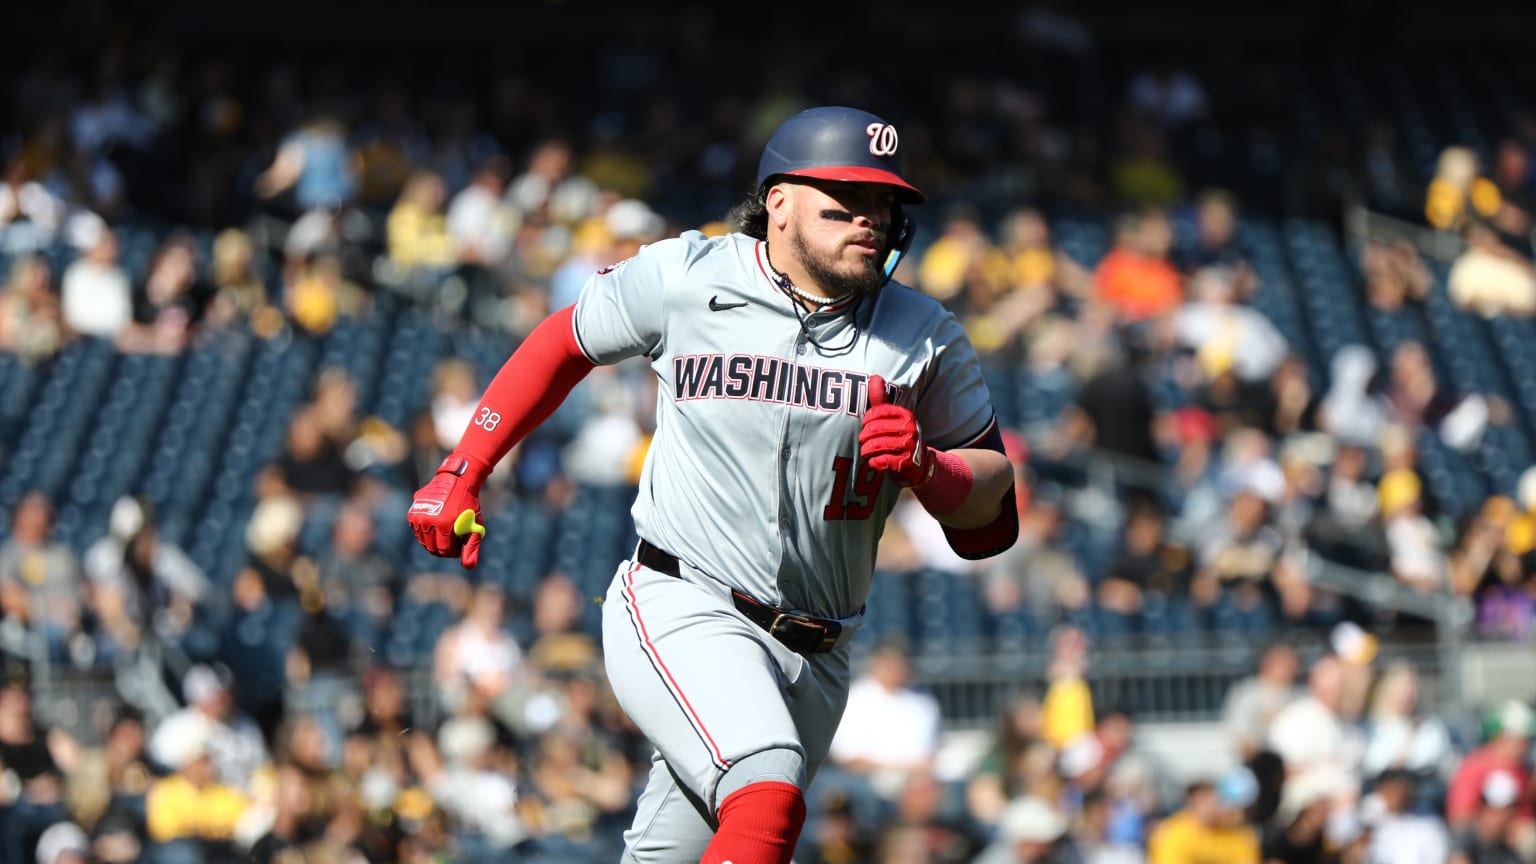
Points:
(750, 217)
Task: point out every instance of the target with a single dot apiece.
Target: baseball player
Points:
(799, 394)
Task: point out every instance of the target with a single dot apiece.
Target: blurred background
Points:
(1252, 290)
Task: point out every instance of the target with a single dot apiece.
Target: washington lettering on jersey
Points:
(767, 379)
(693, 499)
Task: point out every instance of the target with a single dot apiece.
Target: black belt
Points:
(802, 634)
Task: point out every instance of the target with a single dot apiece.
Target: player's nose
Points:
(870, 204)
(868, 217)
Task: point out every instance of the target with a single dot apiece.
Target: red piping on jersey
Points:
(576, 339)
(974, 439)
(761, 253)
(633, 605)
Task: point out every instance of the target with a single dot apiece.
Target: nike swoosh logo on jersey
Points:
(716, 306)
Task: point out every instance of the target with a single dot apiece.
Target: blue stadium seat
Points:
(60, 256)
(890, 604)
(1329, 286)
(936, 597)
(18, 383)
(1500, 457)
(1042, 397)
(969, 622)
(435, 618)
(1014, 634)
(315, 534)
(1453, 481)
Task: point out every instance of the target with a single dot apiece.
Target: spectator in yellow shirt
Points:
(417, 228)
(962, 246)
(192, 804)
(1210, 829)
(1067, 711)
(1459, 193)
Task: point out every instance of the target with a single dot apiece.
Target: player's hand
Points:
(891, 440)
(445, 513)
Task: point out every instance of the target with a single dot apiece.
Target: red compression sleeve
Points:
(759, 824)
(949, 486)
(530, 386)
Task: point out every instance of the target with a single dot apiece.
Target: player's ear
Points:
(777, 203)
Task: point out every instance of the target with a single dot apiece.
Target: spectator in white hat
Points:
(1030, 831)
(1357, 650)
(1490, 838)
(235, 744)
(191, 804)
(139, 579)
(63, 843)
(1510, 728)
(471, 778)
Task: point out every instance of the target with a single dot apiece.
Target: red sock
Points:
(759, 824)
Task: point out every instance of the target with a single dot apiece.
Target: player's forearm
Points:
(991, 476)
(528, 388)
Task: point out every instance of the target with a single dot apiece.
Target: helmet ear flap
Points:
(900, 240)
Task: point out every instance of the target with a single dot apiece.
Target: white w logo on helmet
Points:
(882, 139)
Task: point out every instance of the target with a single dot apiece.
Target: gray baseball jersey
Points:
(753, 482)
(753, 474)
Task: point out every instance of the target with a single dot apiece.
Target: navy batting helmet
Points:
(836, 143)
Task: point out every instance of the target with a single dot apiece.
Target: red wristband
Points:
(950, 486)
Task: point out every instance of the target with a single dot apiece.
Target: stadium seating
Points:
(191, 432)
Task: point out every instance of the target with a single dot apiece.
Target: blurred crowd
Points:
(533, 761)
(1331, 760)
(1334, 759)
(1235, 467)
(1098, 253)
(1486, 200)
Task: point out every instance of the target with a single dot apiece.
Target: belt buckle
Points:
(818, 643)
(773, 629)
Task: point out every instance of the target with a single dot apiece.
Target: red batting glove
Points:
(437, 508)
(891, 441)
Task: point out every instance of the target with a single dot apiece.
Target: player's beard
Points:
(863, 278)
